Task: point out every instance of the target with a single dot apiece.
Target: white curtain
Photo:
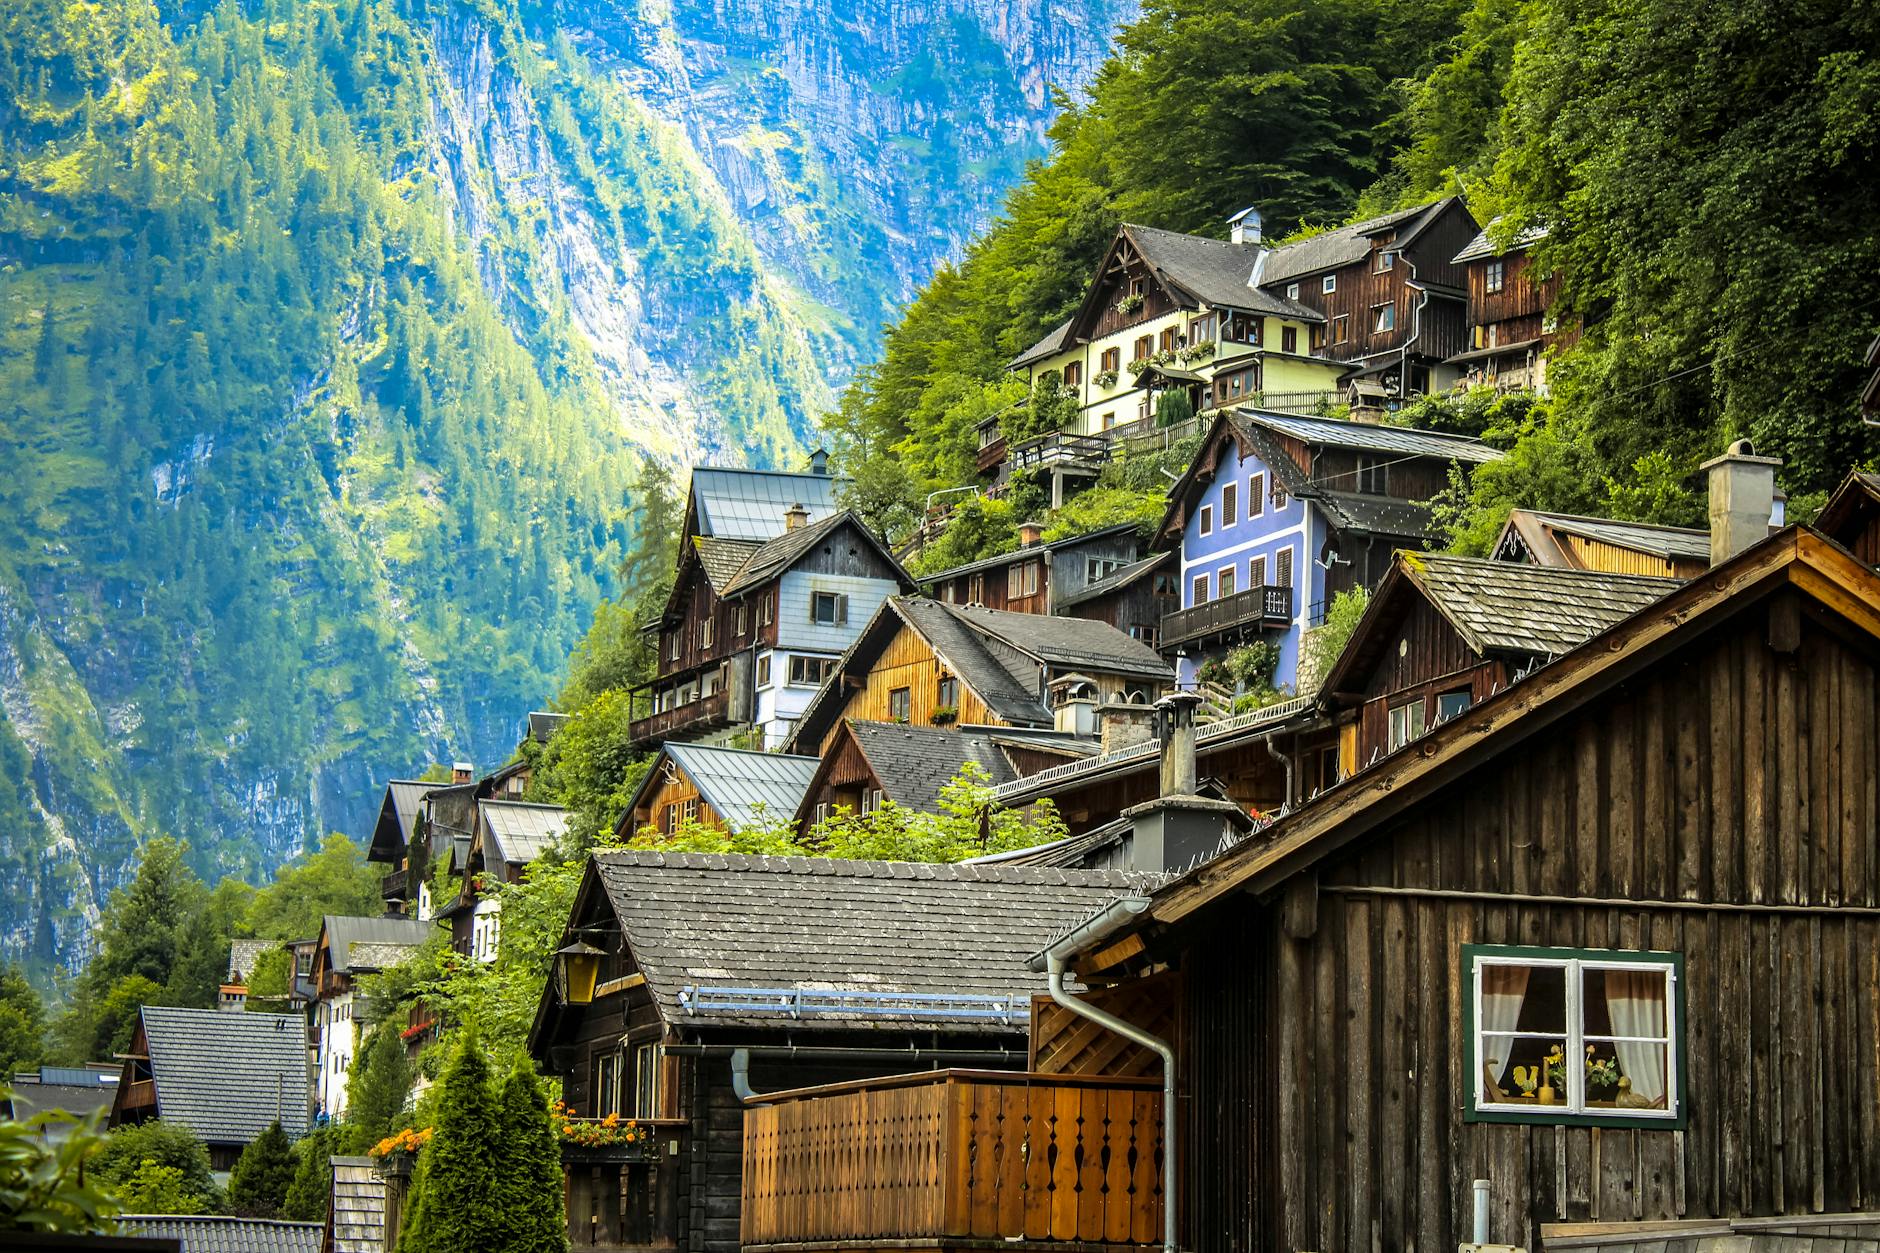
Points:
(1636, 1002)
(1504, 988)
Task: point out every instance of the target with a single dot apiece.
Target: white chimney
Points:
(1245, 226)
(1742, 490)
(795, 517)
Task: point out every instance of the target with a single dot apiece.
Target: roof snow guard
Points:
(701, 1001)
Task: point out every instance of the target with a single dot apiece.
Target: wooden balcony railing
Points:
(1255, 608)
(956, 1156)
(392, 886)
(139, 1094)
(1060, 451)
(990, 455)
(708, 713)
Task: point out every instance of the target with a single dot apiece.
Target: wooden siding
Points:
(908, 661)
(845, 774)
(675, 790)
(1590, 554)
(1063, 1043)
(1521, 303)
(1336, 469)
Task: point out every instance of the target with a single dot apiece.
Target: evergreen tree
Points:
(22, 1022)
(312, 1187)
(45, 353)
(530, 1173)
(459, 1209)
(257, 1187)
(129, 1150)
(377, 1089)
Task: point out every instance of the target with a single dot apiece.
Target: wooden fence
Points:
(962, 1155)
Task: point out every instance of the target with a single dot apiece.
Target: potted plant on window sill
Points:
(1106, 379)
(608, 1139)
(1130, 304)
(398, 1153)
(944, 716)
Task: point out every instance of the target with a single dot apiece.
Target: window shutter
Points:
(842, 610)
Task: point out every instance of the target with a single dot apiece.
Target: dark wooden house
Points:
(725, 979)
(1510, 328)
(509, 836)
(1852, 516)
(222, 1076)
(1605, 940)
(1391, 292)
(1039, 574)
(732, 789)
(1569, 542)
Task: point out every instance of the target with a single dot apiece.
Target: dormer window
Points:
(1292, 291)
(1329, 284)
(1386, 259)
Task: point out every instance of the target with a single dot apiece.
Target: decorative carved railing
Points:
(956, 1155)
(1256, 607)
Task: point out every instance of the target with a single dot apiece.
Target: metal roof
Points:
(404, 798)
(1541, 611)
(730, 503)
(216, 1233)
(342, 933)
(522, 831)
(1371, 437)
(1644, 537)
(543, 724)
(226, 1076)
(743, 787)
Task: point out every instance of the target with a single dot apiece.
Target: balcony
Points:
(392, 886)
(1075, 454)
(699, 717)
(991, 453)
(950, 1159)
(1256, 609)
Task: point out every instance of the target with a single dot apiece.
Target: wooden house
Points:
(732, 789)
(1852, 516)
(509, 836)
(1036, 576)
(224, 1077)
(927, 663)
(1510, 328)
(1277, 514)
(1390, 294)
(1567, 542)
(1442, 634)
(724, 980)
(347, 948)
(752, 627)
(1605, 940)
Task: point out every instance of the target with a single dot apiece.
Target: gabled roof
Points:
(521, 831)
(726, 920)
(778, 555)
(1531, 527)
(342, 935)
(1795, 558)
(1482, 246)
(721, 559)
(227, 1076)
(913, 764)
(1084, 643)
(743, 787)
(1000, 560)
(1371, 436)
(1328, 250)
(242, 955)
(1054, 342)
(1115, 582)
(404, 799)
(1852, 505)
(217, 1233)
(725, 502)
(543, 724)
(1214, 271)
(355, 1218)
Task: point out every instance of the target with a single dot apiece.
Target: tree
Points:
(154, 1188)
(167, 1145)
(312, 1188)
(43, 1187)
(257, 1187)
(337, 879)
(45, 353)
(139, 931)
(22, 1022)
(530, 1175)
(458, 1207)
(377, 1089)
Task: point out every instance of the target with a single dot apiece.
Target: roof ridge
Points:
(752, 752)
(1347, 423)
(1588, 517)
(842, 867)
(1522, 569)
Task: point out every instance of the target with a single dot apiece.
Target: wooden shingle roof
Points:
(227, 1076)
(1508, 607)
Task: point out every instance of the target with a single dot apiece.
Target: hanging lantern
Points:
(577, 970)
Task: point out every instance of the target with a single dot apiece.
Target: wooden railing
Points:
(140, 1094)
(708, 713)
(392, 886)
(1084, 452)
(1255, 607)
(956, 1155)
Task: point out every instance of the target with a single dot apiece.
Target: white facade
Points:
(485, 928)
(809, 641)
(333, 1058)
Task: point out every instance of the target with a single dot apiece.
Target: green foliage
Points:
(457, 1205)
(43, 1185)
(154, 1188)
(530, 1174)
(337, 879)
(1051, 407)
(377, 1088)
(1097, 507)
(22, 1023)
(1174, 407)
(312, 1187)
(158, 1163)
(979, 527)
(590, 767)
(258, 1185)
(267, 983)
(1323, 644)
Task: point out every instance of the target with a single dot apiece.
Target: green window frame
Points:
(1573, 1107)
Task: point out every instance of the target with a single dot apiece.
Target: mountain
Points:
(333, 334)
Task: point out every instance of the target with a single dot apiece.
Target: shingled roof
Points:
(1089, 645)
(1006, 693)
(1115, 582)
(344, 934)
(721, 559)
(1214, 271)
(1509, 607)
(1482, 246)
(1343, 245)
(227, 1076)
(397, 811)
(726, 920)
(1053, 343)
(913, 764)
(1371, 436)
(778, 555)
(217, 1233)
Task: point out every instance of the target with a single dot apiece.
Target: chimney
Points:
(462, 772)
(1123, 723)
(1742, 490)
(795, 517)
(1030, 534)
(1175, 727)
(1245, 226)
(819, 461)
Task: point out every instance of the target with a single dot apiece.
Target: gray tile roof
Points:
(242, 955)
(77, 1099)
(1645, 537)
(356, 1214)
(721, 559)
(1116, 582)
(1542, 611)
(1377, 515)
(214, 1233)
(914, 763)
(729, 503)
(1371, 437)
(226, 1076)
(342, 933)
(1341, 246)
(777, 556)
(1215, 271)
(522, 831)
(404, 798)
(1082, 643)
(744, 788)
(726, 920)
(1481, 246)
(1053, 343)
(1014, 699)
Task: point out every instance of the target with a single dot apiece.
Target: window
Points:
(1136, 287)
(1224, 580)
(1109, 419)
(1449, 704)
(1096, 569)
(1292, 291)
(1371, 476)
(976, 590)
(1329, 284)
(1289, 339)
(1406, 723)
(1231, 387)
(1256, 572)
(1112, 359)
(688, 809)
(1318, 337)
(1200, 589)
(828, 608)
(900, 704)
(1494, 276)
(672, 646)
(1074, 374)
(1201, 330)
(1282, 568)
(705, 632)
(1242, 328)
(1386, 259)
(1230, 504)
(1341, 329)
(763, 670)
(607, 1084)
(766, 610)
(1207, 519)
(810, 671)
(1171, 340)
(946, 692)
(1618, 1015)
(1021, 580)
(646, 1081)
(1256, 495)
(1383, 318)
(1145, 348)
(1279, 495)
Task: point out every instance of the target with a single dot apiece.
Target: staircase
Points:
(1217, 702)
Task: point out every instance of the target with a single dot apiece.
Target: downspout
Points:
(1284, 759)
(741, 1074)
(1416, 333)
(1054, 961)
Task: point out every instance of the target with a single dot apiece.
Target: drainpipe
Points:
(1054, 960)
(1284, 759)
(1480, 1187)
(741, 1057)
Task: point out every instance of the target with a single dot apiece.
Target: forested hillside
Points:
(332, 336)
(1705, 174)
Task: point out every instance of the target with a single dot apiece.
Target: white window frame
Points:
(1392, 740)
(646, 1077)
(1328, 284)
(838, 608)
(1205, 520)
(1292, 291)
(1494, 276)
(1384, 318)
(1575, 962)
(1230, 505)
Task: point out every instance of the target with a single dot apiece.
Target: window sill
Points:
(1553, 1116)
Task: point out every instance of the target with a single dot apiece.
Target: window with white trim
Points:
(1329, 285)
(1616, 1015)
(828, 608)
(1230, 504)
(1207, 519)
(1406, 723)
(646, 1061)
(1224, 579)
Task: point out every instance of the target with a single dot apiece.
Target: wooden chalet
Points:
(345, 949)
(223, 1076)
(422, 821)
(927, 663)
(1852, 515)
(508, 837)
(1510, 328)
(1037, 575)
(1442, 634)
(1567, 542)
(732, 789)
(1390, 293)
(694, 987)
(1605, 940)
